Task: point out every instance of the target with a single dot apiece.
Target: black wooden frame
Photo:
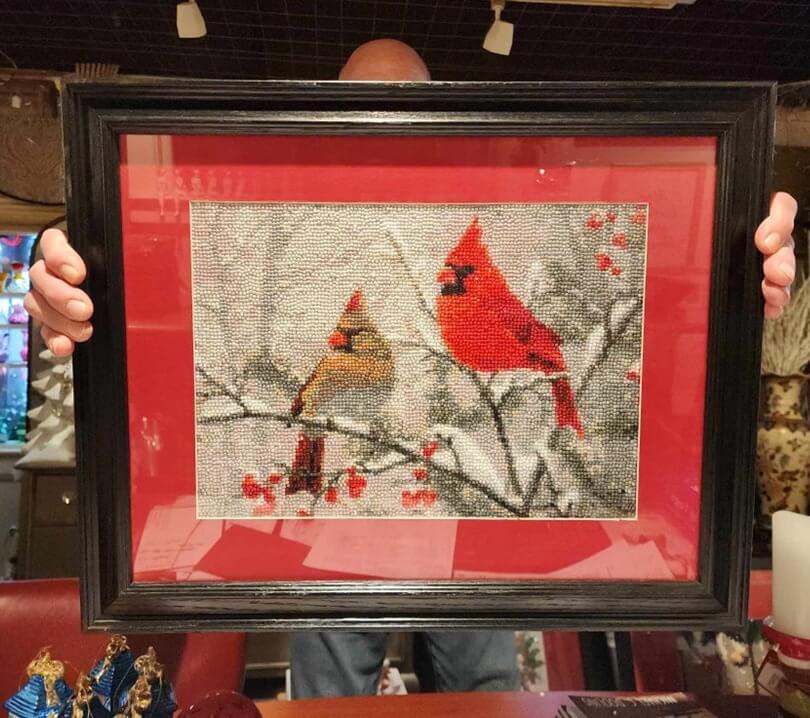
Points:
(739, 115)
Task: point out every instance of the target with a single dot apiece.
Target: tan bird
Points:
(353, 380)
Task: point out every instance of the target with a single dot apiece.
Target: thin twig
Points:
(230, 393)
(531, 386)
(540, 471)
(454, 452)
(411, 278)
(611, 338)
(318, 494)
(214, 309)
(335, 478)
(500, 430)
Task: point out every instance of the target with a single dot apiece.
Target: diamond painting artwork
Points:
(417, 360)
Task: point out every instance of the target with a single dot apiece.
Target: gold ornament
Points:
(84, 694)
(147, 665)
(116, 646)
(51, 671)
(140, 696)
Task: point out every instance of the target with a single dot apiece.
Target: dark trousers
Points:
(339, 663)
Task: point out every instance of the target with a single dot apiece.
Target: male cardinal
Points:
(487, 328)
(353, 379)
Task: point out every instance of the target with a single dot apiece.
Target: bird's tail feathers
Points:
(307, 466)
(565, 406)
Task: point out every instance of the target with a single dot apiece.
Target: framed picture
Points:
(448, 355)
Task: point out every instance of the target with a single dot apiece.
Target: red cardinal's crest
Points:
(470, 250)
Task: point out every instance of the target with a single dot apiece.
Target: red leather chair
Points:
(36, 614)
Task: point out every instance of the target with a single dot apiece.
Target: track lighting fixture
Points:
(499, 37)
(190, 21)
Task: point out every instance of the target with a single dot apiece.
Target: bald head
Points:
(385, 61)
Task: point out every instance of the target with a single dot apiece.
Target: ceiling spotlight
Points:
(190, 22)
(499, 37)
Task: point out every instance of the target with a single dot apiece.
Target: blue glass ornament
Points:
(164, 703)
(112, 682)
(32, 700)
(114, 675)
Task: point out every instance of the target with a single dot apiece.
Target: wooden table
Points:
(473, 705)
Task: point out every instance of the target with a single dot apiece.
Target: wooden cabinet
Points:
(49, 527)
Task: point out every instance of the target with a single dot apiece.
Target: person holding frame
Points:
(346, 663)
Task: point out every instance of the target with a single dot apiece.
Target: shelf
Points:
(14, 326)
(12, 294)
(11, 448)
(14, 364)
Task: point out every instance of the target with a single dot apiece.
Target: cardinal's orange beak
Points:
(446, 276)
(338, 340)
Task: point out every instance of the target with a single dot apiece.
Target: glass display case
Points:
(15, 253)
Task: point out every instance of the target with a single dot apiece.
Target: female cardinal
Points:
(353, 379)
(487, 328)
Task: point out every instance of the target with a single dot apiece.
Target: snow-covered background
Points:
(270, 281)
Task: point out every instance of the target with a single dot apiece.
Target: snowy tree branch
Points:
(611, 336)
(485, 392)
(223, 389)
(540, 471)
(335, 426)
(517, 389)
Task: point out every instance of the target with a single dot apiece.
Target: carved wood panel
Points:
(31, 157)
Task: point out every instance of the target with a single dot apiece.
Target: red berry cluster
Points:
(252, 489)
(356, 483)
(604, 262)
(412, 499)
(619, 240)
(421, 497)
(639, 216)
(594, 221)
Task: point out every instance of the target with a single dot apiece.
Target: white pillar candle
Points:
(791, 573)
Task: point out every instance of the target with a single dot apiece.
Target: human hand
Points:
(773, 238)
(54, 300)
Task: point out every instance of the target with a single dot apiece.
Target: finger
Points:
(780, 268)
(775, 230)
(67, 300)
(43, 312)
(783, 204)
(59, 344)
(61, 258)
(775, 295)
(772, 312)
